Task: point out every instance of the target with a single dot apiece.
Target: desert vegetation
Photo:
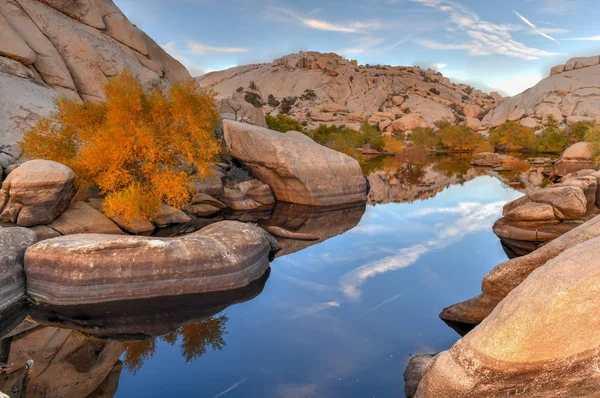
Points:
(139, 148)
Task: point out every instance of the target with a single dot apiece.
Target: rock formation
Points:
(570, 94)
(297, 169)
(13, 243)
(505, 277)
(222, 256)
(54, 48)
(333, 90)
(575, 158)
(540, 341)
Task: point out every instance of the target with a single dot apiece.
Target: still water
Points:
(339, 318)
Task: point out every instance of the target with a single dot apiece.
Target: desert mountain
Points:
(571, 93)
(55, 47)
(396, 98)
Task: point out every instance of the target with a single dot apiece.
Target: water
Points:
(340, 318)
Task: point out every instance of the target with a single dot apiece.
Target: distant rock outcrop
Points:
(332, 90)
(570, 94)
(51, 48)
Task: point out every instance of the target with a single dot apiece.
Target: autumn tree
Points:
(512, 136)
(140, 148)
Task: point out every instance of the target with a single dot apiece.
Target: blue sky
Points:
(506, 45)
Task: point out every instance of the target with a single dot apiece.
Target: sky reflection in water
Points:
(341, 318)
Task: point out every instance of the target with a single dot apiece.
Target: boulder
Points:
(568, 202)
(43, 232)
(581, 62)
(137, 226)
(81, 218)
(13, 243)
(473, 123)
(13, 46)
(202, 209)
(529, 122)
(297, 169)
(257, 191)
(574, 158)
(36, 193)
(555, 70)
(508, 275)
(237, 200)
(531, 212)
(472, 111)
(168, 215)
(223, 256)
(212, 186)
(408, 122)
(540, 341)
(414, 373)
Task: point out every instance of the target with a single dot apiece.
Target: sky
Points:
(505, 45)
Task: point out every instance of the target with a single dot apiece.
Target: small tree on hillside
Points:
(137, 147)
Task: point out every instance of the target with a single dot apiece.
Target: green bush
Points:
(434, 91)
(283, 123)
(272, 101)
(286, 104)
(308, 95)
(254, 99)
(511, 136)
(552, 140)
(578, 131)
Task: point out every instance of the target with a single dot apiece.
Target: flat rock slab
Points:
(94, 268)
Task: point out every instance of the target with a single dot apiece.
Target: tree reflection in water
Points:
(194, 339)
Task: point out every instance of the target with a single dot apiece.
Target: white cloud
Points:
(559, 6)
(589, 38)
(201, 49)
(473, 217)
(482, 37)
(320, 24)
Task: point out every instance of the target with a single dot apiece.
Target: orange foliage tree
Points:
(140, 148)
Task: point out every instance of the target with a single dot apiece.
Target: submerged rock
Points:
(36, 193)
(297, 169)
(541, 341)
(13, 243)
(223, 256)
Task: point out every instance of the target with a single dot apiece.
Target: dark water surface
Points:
(340, 318)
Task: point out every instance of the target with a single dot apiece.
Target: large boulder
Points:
(575, 158)
(36, 193)
(81, 218)
(55, 48)
(13, 243)
(505, 277)
(541, 341)
(222, 256)
(242, 112)
(297, 169)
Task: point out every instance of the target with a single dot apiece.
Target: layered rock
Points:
(541, 340)
(36, 193)
(222, 256)
(505, 277)
(571, 93)
(297, 169)
(347, 93)
(13, 243)
(51, 48)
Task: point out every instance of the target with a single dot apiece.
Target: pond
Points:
(337, 318)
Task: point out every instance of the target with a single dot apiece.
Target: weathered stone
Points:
(491, 159)
(414, 373)
(568, 202)
(13, 46)
(81, 218)
(408, 122)
(581, 62)
(576, 157)
(242, 112)
(531, 212)
(202, 198)
(540, 341)
(43, 232)
(257, 191)
(84, 11)
(36, 193)
(202, 210)
(212, 186)
(284, 233)
(295, 167)
(137, 226)
(168, 215)
(226, 255)
(237, 200)
(13, 243)
(555, 70)
(508, 275)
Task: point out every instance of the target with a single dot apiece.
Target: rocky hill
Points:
(55, 47)
(570, 94)
(332, 90)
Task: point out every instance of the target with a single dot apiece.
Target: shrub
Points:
(512, 136)
(425, 136)
(393, 145)
(286, 104)
(136, 146)
(283, 123)
(516, 165)
(254, 98)
(240, 89)
(434, 91)
(272, 101)
(308, 95)
(459, 138)
(552, 140)
(578, 131)
(252, 85)
(593, 137)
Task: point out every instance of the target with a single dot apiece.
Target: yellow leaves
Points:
(136, 147)
(393, 145)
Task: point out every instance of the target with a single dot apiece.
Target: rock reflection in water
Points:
(75, 351)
